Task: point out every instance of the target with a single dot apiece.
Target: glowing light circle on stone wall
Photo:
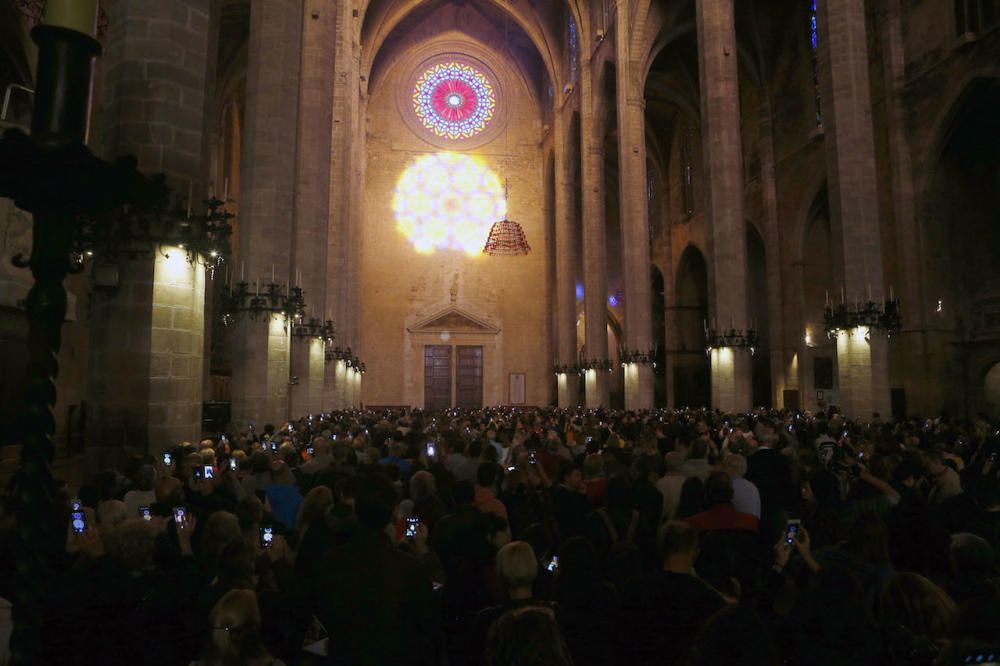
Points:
(448, 201)
(454, 100)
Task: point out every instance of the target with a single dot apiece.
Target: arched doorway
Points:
(658, 309)
(991, 392)
(691, 367)
(757, 311)
(962, 237)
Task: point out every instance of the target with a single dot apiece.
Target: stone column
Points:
(595, 268)
(267, 205)
(720, 117)
(781, 355)
(566, 384)
(634, 201)
(145, 379)
(312, 193)
(845, 94)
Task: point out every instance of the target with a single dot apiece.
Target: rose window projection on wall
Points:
(454, 101)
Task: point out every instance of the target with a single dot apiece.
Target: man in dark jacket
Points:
(375, 601)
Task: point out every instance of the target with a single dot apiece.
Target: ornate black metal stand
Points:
(53, 176)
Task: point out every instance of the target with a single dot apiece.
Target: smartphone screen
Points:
(209, 472)
(553, 564)
(199, 473)
(145, 513)
(78, 517)
(266, 536)
(168, 459)
(431, 449)
(791, 531)
(233, 465)
(411, 527)
(180, 515)
(532, 458)
(311, 451)
(274, 447)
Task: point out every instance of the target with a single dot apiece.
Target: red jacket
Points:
(723, 517)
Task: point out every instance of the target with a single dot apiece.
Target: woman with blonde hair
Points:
(313, 508)
(235, 622)
(916, 617)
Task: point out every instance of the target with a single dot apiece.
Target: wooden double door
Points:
(453, 376)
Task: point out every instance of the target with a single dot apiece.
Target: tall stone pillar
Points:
(781, 356)
(862, 356)
(634, 200)
(720, 115)
(595, 268)
(312, 194)
(267, 205)
(566, 384)
(145, 378)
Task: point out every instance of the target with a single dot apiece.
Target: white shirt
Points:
(746, 497)
(670, 487)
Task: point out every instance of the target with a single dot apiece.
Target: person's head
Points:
(422, 485)
(463, 493)
(145, 478)
(314, 506)
(235, 621)
(570, 475)
(111, 513)
(517, 565)
(220, 528)
(679, 544)
(236, 566)
(934, 462)
(593, 466)
(374, 502)
(281, 475)
(132, 544)
(528, 636)
(692, 499)
(486, 475)
(321, 446)
(578, 560)
(719, 488)
(735, 465)
(971, 555)
(911, 601)
(868, 539)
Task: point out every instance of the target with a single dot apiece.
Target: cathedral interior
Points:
(779, 203)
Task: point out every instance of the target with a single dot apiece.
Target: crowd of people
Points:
(538, 537)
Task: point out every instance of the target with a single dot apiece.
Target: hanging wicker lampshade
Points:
(506, 239)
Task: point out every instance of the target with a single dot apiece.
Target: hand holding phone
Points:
(78, 518)
(266, 537)
(431, 449)
(145, 513)
(553, 564)
(792, 530)
(412, 524)
(168, 459)
(209, 472)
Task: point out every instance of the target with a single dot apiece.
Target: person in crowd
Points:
(915, 617)
(486, 490)
(746, 497)
(942, 479)
(144, 493)
(696, 464)
(283, 496)
(721, 514)
(569, 501)
(527, 636)
(517, 568)
(663, 609)
(670, 484)
(235, 625)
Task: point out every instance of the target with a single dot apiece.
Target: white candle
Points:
(79, 15)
